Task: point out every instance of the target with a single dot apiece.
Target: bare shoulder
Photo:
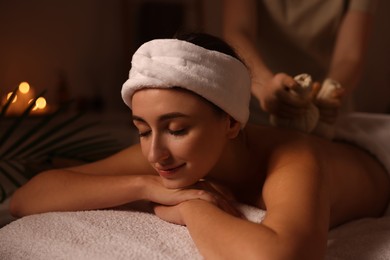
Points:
(356, 183)
(275, 141)
(128, 161)
(295, 192)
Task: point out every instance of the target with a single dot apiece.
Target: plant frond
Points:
(45, 146)
(3, 194)
(53, 137)
(47, 133)
(9, 175)
(37, 128)
(19, 120)
(4, 109)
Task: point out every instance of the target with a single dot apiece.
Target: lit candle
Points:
(40, 106)
(22, 99)
(25, 94)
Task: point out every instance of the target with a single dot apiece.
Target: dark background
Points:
(81, 49)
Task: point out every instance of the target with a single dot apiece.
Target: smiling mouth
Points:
(169, 171)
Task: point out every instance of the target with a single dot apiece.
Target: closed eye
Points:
(178, 132)
(144, 134)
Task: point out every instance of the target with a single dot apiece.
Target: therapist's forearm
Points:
(240, 31)
(350, 49)
(347, 73)
(250, 54)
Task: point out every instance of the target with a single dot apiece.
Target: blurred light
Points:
(9, 95)
(40, 103)
(24, 87)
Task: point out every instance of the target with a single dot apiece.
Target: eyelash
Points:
(174, 133)
(178, 132)
(144, 134)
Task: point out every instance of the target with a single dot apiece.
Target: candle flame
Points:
(41, 103)
(9, 96)
(24, 87)
(23, 99)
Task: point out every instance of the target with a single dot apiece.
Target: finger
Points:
(316, 87)
(290, 112)
(174, 197)
(289, 82)
(291, 109)
(328, 104)
(339, 93)
(198, 194)
(292, 99)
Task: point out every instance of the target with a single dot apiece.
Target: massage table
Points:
(134, 232)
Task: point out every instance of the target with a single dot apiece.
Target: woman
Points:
(189, 99)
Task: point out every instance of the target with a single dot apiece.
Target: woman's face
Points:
(181, 135)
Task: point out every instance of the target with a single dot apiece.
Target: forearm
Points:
(222, 236)
(350, 49)
(347, 73)
(61, 190)
(246, 47)
(240, 31)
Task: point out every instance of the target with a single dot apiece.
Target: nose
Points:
(158, 151)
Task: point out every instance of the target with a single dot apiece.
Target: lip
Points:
(169, 172)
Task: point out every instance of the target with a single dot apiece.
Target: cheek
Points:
(145, 147)
(203, 151)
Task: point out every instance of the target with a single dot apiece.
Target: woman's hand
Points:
(222, 198)
(275, 96)
(153, 190)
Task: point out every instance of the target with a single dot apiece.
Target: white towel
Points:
(166, 63)
(100, 235)
(120, 234)
(364, 239)
(139, 234)
(368, 131)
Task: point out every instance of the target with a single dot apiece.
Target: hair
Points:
(209, 42)
(212, 43)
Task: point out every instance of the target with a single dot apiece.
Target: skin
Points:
(299, 179)
(271, 88)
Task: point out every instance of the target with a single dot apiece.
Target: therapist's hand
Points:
(275, 96)
(329, 108)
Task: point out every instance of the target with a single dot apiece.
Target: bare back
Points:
(358, 184)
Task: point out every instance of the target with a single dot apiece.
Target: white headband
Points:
(166, 63)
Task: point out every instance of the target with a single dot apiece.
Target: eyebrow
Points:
(162, 117)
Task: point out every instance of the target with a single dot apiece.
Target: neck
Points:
(234, 163)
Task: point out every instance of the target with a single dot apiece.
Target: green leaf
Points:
(3, 194)
(45, 136)
(9, 176)
(51, 137)
(61, 138)
(45, 121)
(8, 103)
(90, 145)
(19, 120)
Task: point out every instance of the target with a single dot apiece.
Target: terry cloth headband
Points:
(166, 63)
